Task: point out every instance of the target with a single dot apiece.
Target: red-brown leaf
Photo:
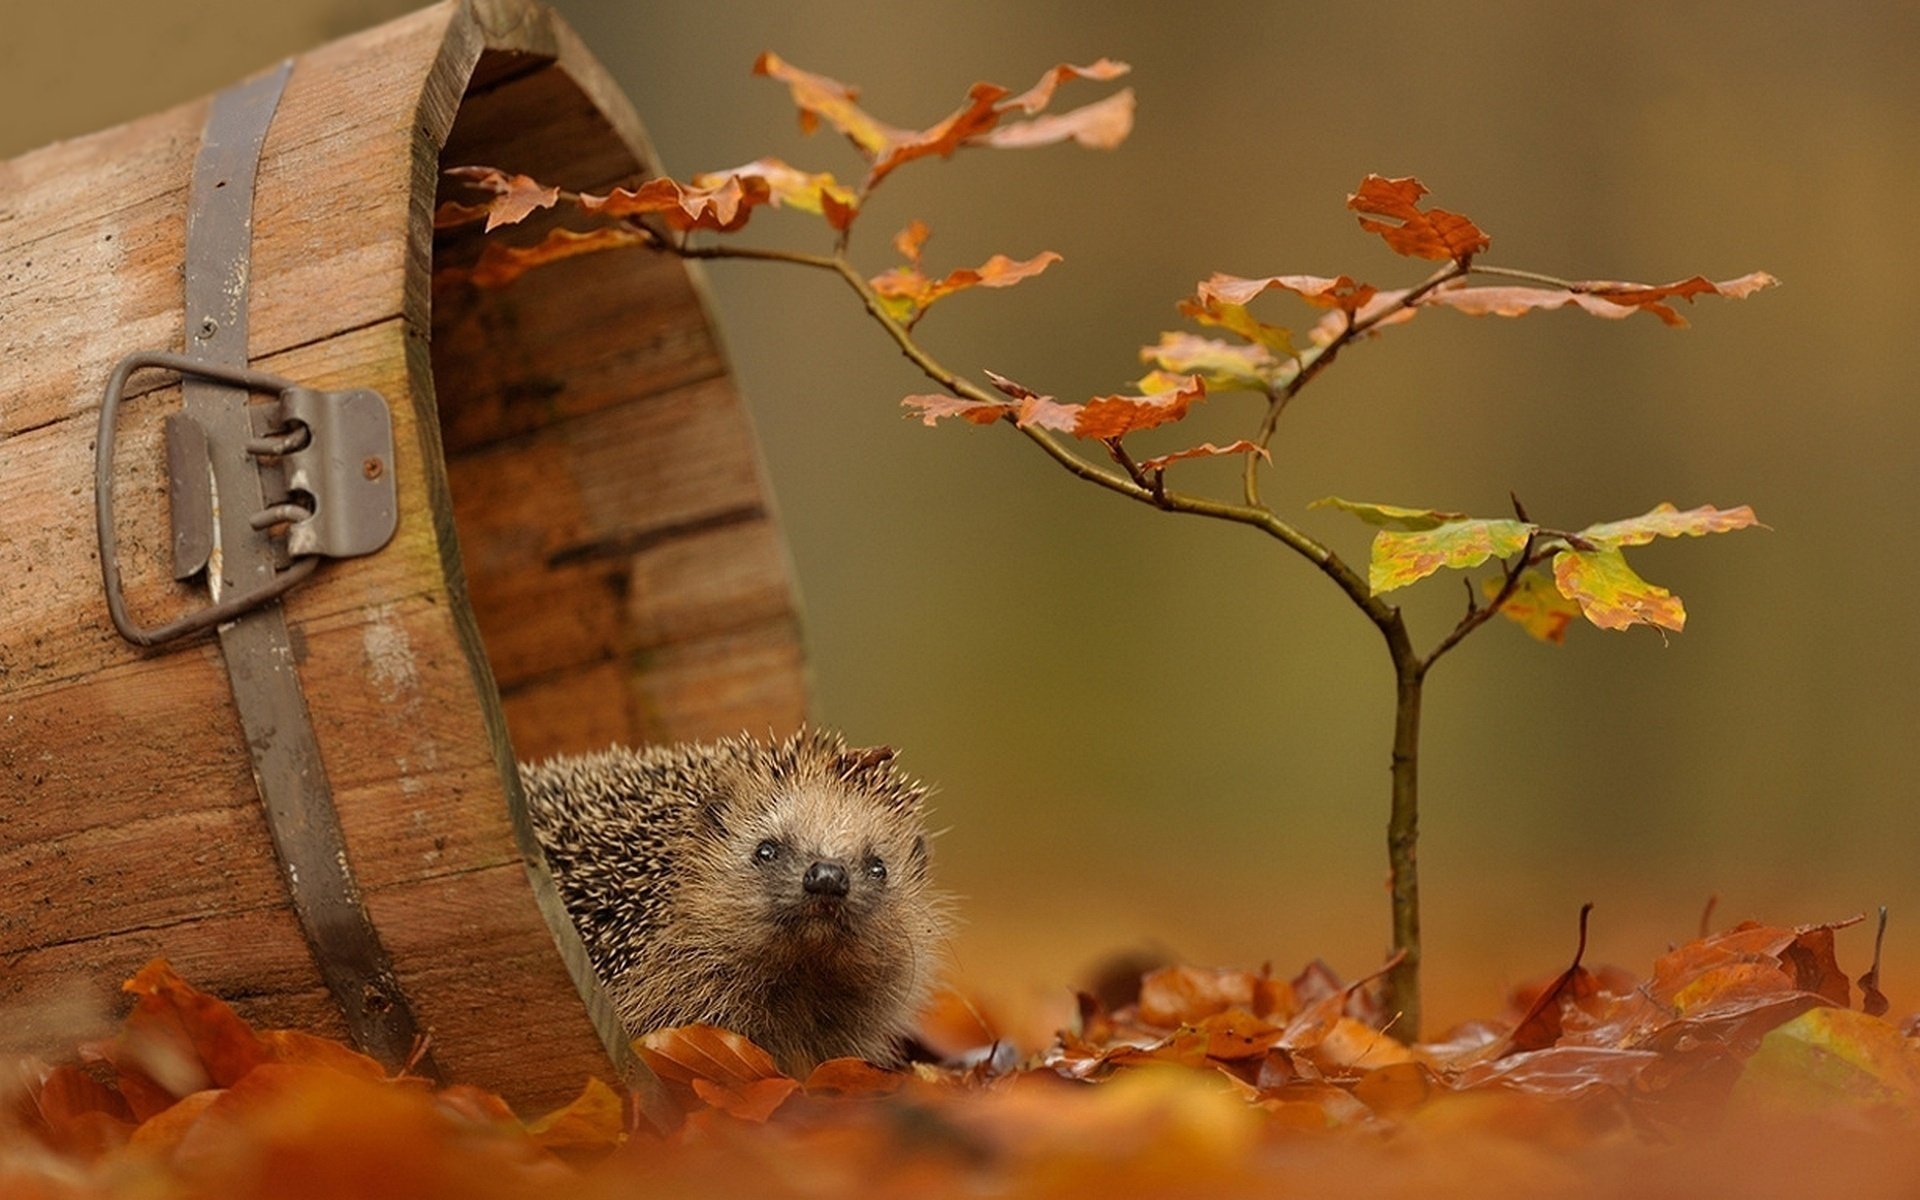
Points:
(689, 1052)
(1419, 233)
(592, 1121)
(1341, 292)
(723, 206)
(852, 1078)
(976, 122)
(1107, 417)
(501, 264)
(515, 197)
(176, 1041)
(1159, 462)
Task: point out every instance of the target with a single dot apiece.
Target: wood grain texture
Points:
(582, 515)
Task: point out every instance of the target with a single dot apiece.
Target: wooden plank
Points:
(98, 224)
(749, 680)
(392, 709)
(257, 961)
(573, 711)
(570, 338)
(474, 954)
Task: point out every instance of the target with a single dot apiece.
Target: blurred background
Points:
(1156, 732)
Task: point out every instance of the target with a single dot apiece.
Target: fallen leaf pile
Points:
(1739, 1066)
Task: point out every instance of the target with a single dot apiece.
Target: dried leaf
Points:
(1209, 306)
(1160, 462)
(819, 98)
(1401, 558)
(304, 1049)
(907, 293)
(1667, 521)
(722, 205)
(852, 1078)
(1392, 516)
(933, 409)
(1184, 995)
(1829, 1056)
(177, 1041)
(1340, 292)
(501, 264)
(687, 1052)
(1431, 233)
(592, 1121)
(1537, 605)
(975, 122)
(1223, 366)
(515, 198)
(1102, 125)
(1640, 295)
(1542, 1024)
(1611, 594)
(1116, 416)
(755, 1101)
(789, 187)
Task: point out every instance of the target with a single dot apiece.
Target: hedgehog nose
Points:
(825, 879)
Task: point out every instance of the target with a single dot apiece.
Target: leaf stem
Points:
(1529, 277)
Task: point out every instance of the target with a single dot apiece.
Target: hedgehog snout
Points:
(826, 879)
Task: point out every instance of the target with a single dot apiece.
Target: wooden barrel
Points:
(584, 554)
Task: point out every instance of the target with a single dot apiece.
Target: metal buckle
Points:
(343, 468)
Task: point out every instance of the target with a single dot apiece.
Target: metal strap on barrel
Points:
(219, 440)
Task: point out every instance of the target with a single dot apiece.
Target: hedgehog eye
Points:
(766, 851)
(876, 870)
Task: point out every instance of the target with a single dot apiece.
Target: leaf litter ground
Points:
(1739, 1066)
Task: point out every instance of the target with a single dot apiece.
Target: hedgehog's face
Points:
(823, 863)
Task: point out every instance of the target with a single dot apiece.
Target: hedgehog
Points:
(780, 890)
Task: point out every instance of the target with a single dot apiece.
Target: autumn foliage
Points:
(1548, 578)
(1227, 1082)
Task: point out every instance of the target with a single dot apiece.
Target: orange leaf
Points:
(501, 264)
(1601, 298)
(1107, 417)
(851, 1079)
(1204, 450)
(1537, 606)
(787, 186)
(304, 1049)
(593, 1120)
(714, 1065)
(907, 292)
(980, 412)
(975, 122)
(754, 1101)
(1101, 125)
(1340, 292)
(1542, 1025)
(1225, 366)
(818, 97)
(83, 1117)
(1431, 233)
(515, 197)
(176, 1041)
(723, 206)
(163, 1132)
(1183, 995)
(1640, 295)
(1612, 594)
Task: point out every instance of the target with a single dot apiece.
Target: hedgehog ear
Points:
(853, 764)
(920, 855)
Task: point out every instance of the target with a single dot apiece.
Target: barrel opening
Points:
(624, 570)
